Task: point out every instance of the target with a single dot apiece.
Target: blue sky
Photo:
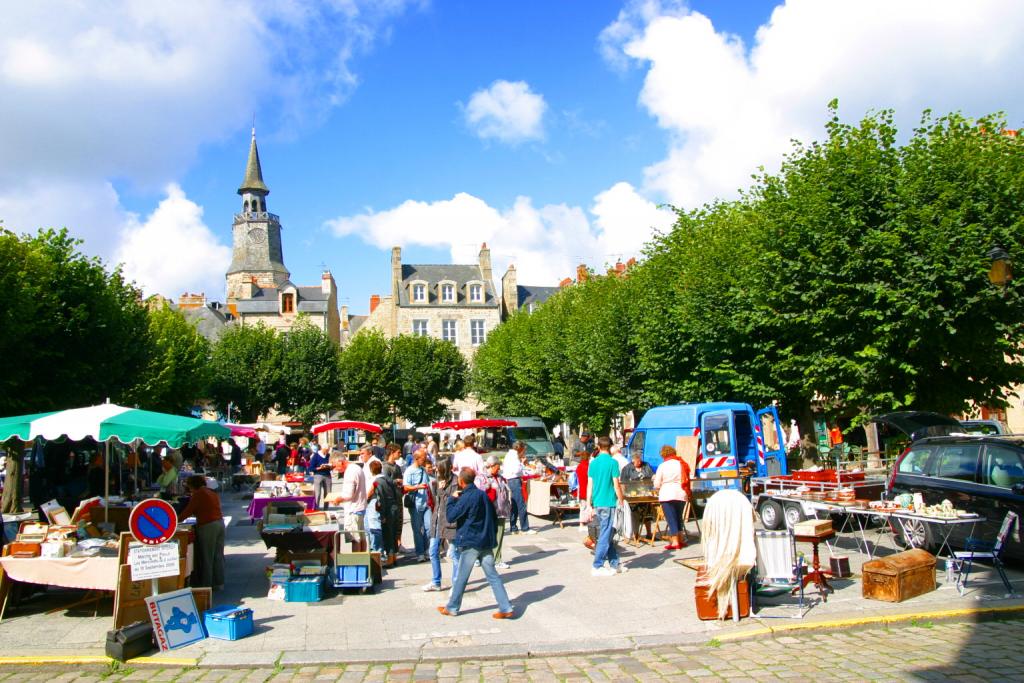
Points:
(551, 130)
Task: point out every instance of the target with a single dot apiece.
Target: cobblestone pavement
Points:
(919, 652)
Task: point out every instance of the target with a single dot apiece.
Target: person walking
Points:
(353, 496)
(499, 495)
(604, 494)
(513, 470)
(204, 505)
(416, 483)
(441, 531)
(475, 533)
(409, 448)
(672, 480)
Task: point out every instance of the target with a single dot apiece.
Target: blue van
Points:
(729, 435)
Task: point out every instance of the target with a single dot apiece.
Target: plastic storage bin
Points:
(304, 589)
(228, 622)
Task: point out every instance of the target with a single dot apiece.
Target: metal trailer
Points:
(776, 514)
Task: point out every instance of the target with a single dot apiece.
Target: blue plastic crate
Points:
(304, 589)
(351, 576)
(228, 622)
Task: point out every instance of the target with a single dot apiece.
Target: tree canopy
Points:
(310, 384)
(246, 367)
(855, 276)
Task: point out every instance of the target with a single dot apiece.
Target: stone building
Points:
(258, 284)
(455, 302)
(516, 297)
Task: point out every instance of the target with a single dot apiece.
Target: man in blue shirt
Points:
(604, 493)
(475, 538)
(320, 468)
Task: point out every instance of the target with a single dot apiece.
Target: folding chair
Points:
(980, 549)
(779, 568)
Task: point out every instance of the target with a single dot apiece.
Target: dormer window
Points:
(476, 293)
(419, 293)
(448, 293)
(287, 303)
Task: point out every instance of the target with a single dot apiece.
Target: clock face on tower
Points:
(257, 235)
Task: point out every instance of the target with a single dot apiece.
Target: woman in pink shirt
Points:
(673, 483)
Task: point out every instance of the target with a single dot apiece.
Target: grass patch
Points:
(714, 642)
(922, 623)
(116, 668)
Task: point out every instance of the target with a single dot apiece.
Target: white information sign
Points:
(153, 561)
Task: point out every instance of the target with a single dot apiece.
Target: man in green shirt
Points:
(604, 493)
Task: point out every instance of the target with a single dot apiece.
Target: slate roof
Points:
(209, 322)
(355, 322)
(531, 294)
(433, 274)
(253, 172)
(309, 300)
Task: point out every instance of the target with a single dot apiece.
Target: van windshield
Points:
(528, 433)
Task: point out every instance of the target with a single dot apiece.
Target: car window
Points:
(914, 462)
(1002, 466)
(958, 461)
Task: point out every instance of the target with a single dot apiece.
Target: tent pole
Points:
(106, 482)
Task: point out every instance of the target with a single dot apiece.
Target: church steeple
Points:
(253, 190)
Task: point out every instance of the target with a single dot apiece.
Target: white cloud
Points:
(506, 111)
(729, 109)
(174, 251)
(546, 244)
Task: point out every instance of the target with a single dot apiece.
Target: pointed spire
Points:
(253, 173)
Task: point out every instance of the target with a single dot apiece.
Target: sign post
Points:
(152, 522)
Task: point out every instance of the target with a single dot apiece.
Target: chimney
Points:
(344, 317)
(581, 273)
(326, 282)
(509, 292)
(374, 302)
(485, 264)
(620, 267)
(567, 282)
(631, 262)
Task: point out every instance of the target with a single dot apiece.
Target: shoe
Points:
(503, 615)
(622, 569)
(671, 546)
(501, 565)
(531, 532)
(444, 610)
(422, 558)
(602, 571)
(430, 588)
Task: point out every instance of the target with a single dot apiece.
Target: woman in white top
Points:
(672, 480)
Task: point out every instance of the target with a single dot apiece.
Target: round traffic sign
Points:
(153, 521)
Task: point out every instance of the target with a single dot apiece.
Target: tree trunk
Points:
(11, 501)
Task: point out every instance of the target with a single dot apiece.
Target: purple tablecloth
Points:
(258, 505)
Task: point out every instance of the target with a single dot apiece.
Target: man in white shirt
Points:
(366, 456)
(468, 457)
(618, 457)
(512, 470)
(353, 496)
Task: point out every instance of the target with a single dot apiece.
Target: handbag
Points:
(409, 501)
(586, 513)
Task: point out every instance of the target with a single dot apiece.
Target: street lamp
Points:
(1001, 271)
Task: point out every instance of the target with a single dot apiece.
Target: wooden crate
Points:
(813, 527)
(899, 577)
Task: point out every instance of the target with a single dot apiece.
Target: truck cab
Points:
(729, 435)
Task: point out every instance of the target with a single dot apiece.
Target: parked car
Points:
(982, 474)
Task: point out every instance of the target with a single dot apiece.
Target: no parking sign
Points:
(153, 521)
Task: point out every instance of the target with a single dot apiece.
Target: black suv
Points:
(982, 474)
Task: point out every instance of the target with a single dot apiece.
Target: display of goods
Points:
(295, 477)
(849, 477)
(814, 475)
(846, 494)
(816, 495)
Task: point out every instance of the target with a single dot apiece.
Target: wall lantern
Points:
(1001, 272)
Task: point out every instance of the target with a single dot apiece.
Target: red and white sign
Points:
(720, 461)
(153, 521)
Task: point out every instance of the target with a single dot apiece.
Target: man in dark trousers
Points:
(475, 538)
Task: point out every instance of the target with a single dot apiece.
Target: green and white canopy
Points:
(109, 421)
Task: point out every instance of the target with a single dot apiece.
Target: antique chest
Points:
(899, 577)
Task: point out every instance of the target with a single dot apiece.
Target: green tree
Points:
(311, 382)
(367, 377)
(246, 366)
(74, 333)
(178, 367)
(427, 371)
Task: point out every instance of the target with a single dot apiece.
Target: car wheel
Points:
(916, 534)
(794, 515)
(771, 515)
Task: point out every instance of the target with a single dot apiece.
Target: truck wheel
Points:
(771, 515)
(794, 515)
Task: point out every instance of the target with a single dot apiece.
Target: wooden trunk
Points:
(899, 577)
(707, 603)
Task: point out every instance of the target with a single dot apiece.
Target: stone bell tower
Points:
(257, 260)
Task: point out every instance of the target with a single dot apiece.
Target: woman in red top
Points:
(581, 478)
